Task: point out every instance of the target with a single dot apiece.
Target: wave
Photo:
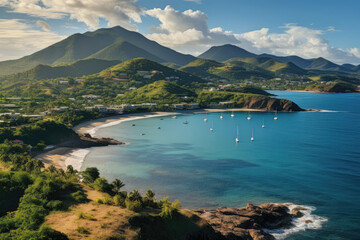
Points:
(76, 158)
(307, 221)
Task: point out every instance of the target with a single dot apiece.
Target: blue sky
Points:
(308, 28)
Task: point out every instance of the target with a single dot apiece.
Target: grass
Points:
(82, 230)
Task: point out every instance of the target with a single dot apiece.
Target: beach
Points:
(60, 157)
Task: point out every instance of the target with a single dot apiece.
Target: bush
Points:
(55, 205)
(90, 174)
(133, 205)
(79, 196)
(102, 185)
(82, 230)
(119, 200)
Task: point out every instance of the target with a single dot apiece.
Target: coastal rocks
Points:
(248, 223)
(269, 104)
(87, 141)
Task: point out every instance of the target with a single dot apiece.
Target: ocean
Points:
(305, 158)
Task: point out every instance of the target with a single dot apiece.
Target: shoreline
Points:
(60, 156)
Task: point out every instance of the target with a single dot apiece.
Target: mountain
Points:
(238, 71)
(97, 43)
(225, 52)
(271, 65)
(75, 69)
(139, 69)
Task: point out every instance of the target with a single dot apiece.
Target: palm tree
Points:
(117, 184)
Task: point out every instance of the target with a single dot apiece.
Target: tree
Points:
(135, 195)
(52, 169)
(70, 169)
(117, 184)
(90, 174)
(150, 195)
(102, 185)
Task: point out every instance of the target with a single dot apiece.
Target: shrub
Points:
(79, 196)
(90, 174)
(133, 205)
(82, 230)
(119, 200)
(102, 185)
(55, 205)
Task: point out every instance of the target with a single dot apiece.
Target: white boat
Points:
(221, 116)
(275, 117)
(249, 116)
(205, 119)
(252, 135)
(173, 117)
(186, 122)
(263, 125)
(237, 135)
(232, 114)
(212, 128)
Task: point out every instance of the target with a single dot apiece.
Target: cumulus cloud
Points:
(18, 38)
(296, 40)
(116, 12)
(44, 25)
(186, 31)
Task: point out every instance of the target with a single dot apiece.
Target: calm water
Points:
(308, 158)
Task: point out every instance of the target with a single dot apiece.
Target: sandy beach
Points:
(61, 157)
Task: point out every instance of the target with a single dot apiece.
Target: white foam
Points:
(76, 158)
(307, 221)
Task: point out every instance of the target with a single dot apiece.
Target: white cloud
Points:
(296, 40)
(44, 25)
(186, 31)
(18, 39)
(116, 12)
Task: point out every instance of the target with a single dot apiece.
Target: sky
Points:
(307, 28)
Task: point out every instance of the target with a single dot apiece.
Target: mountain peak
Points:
(225, 52)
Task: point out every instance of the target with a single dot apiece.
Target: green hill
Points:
(159, 92)
(233, 71)
(79, 46)
(138, 68)
(122, 50)
(225, 52)
(75, 69)
(271, 65)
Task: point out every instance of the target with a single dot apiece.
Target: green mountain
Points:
(122, 50)
(230, 70)
(225, 52)
(80, 46)
(159, 92)
(140, 68)
(75, 69)
(271, 65)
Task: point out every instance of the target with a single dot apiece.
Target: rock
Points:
(247, 223)
(296, 212)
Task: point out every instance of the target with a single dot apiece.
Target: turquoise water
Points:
(308, 158)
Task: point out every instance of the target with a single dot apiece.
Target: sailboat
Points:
(275, 117)
(212, 128)
(173, 117)
(263, 125)
(237, 134)
(252, 135)
(186, 122)
(249, 116)
(205, 119)
(232, 114)
(221, 116)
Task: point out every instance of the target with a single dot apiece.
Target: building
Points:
(101, 108)
(91, 96)
(193, 106)
(14, 99)
(40, 117)
(17, 141)
(226, 104)
(132, 88)
(64, 82)
(179, 106)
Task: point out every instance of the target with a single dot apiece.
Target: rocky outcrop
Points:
(269, 104)
(247, 223)
(87, 141)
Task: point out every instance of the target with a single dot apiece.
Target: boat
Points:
(142, 134)
(159, 127)
(186, 122)
(237, 135)
(173, 117)
(252, 135)
(263, 125)
(161, 119)
(221, 116)
(133, 124)
(249, 116)
(212, 128)
(205, 119)
(232, 114)
(275, 117)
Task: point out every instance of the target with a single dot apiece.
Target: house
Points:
(193, 106)
(9, 106)
(64, 82)
(14, 99)
(226, 104)
(121, 79)
(122, 75)
(79, 80)
(147, 76)
(132, 88)
(179, 106)
(91, 96)
(17, 141)
(101, 108)
(40, 117)
(142, 72)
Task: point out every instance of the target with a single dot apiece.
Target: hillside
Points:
(271, 65)
(75, 69)
(231, 71)
(332, 87)
(138, 68)
(79, 46)
(158, 92)
(225, 52)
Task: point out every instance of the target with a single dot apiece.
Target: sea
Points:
(305, 158)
